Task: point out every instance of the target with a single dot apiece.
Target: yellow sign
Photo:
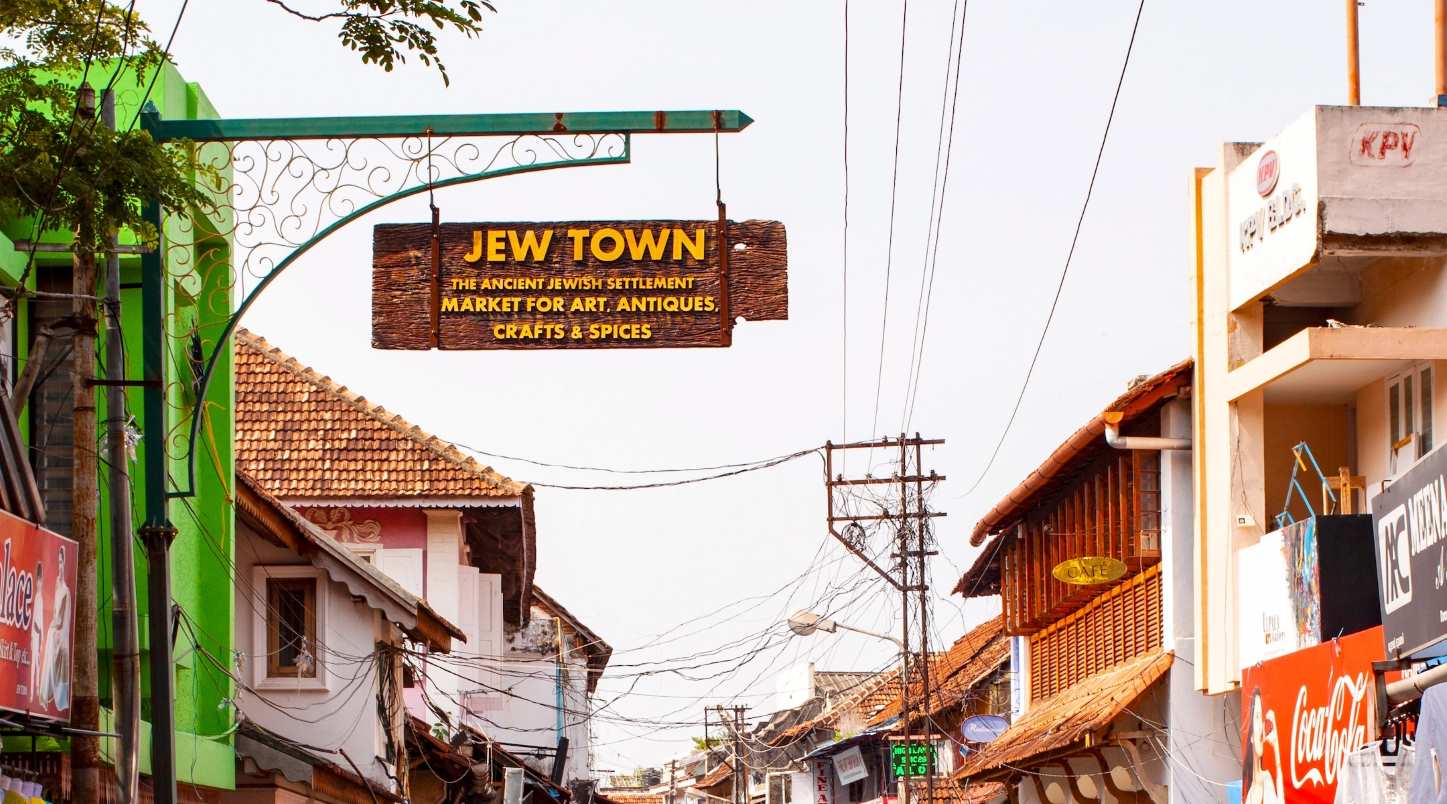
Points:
(1089, 570)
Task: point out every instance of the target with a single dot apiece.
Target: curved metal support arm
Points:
(204, 381)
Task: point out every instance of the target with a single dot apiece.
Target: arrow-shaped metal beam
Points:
(726, 121)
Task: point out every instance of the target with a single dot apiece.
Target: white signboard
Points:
(1272, 203)
(1267, 620)
(849, 766)
(823, 790)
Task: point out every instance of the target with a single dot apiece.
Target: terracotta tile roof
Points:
(982, 578)
(301, 435)
(862, 701)
(950, 793)
(955, 672)
(721, 773)
(629, 797)
(1058, 722)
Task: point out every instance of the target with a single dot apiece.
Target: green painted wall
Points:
(198, 301)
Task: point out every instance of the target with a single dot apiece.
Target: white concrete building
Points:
(446, 529)
(321, 636)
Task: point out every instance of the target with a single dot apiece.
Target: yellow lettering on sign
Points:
(607, 253)
(682, 242)
(646, 242)
(495, 246)
(530, 246)
(449, 304)
(578, 236)
(476, 253)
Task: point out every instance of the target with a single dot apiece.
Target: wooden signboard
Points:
(572, 285)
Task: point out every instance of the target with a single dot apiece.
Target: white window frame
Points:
(260, 615)
(1409, 407)
(366, 551)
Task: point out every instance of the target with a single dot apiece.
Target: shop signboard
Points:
(823, 790)
(37, 613)
(1303, 713)
(849, 766)
(1273, 195)
(1305, 582)
(1409, 518)
(574, 284)
(911, 759)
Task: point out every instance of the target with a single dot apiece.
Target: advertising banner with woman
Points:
(1302, 714)
(37, 612)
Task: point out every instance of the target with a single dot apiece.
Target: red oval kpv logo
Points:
(1268, 171)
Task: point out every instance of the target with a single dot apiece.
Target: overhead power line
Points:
(893, 194)
(1065, 271)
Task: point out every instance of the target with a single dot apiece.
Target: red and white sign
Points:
(1268, 172)
(849, 766)
(37, 612)
(1384, 144)
(1303, 713)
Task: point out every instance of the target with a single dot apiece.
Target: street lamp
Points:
(806, 622)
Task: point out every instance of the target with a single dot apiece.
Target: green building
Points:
(197, 301)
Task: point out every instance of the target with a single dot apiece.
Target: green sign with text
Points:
(911, 759)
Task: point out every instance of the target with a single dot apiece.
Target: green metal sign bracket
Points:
(728, 121)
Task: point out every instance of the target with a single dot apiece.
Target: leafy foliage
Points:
(700, 744)
(64, 170)
(385, 31)
(62, 166)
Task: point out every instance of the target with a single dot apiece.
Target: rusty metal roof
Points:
(304, 436)
(1062, 721)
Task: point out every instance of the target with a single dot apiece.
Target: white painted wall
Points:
(528, 713)
(326, 716)
(1202, 739)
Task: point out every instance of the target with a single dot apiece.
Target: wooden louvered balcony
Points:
(1111, 509)
(1112, 629)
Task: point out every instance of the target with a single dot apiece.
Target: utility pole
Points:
(125, 648)
(735, 717)
(85, 708)
(672, 779)
(910, 517)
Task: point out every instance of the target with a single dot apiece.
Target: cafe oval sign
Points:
(1089, 570)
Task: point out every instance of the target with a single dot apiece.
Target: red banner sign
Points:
(1302, 713)
(37, 612)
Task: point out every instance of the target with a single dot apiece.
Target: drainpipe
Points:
(558, 677)
(1115, 439)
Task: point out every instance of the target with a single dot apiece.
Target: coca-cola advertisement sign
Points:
(1302, 714)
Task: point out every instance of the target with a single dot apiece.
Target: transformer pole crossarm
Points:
(723, 121)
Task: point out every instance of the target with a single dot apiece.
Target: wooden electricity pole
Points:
(85, 708)
(910, 522)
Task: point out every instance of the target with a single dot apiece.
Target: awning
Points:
(1060, 722)
(839, 745)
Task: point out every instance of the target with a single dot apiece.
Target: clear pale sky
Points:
(1036, 85)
